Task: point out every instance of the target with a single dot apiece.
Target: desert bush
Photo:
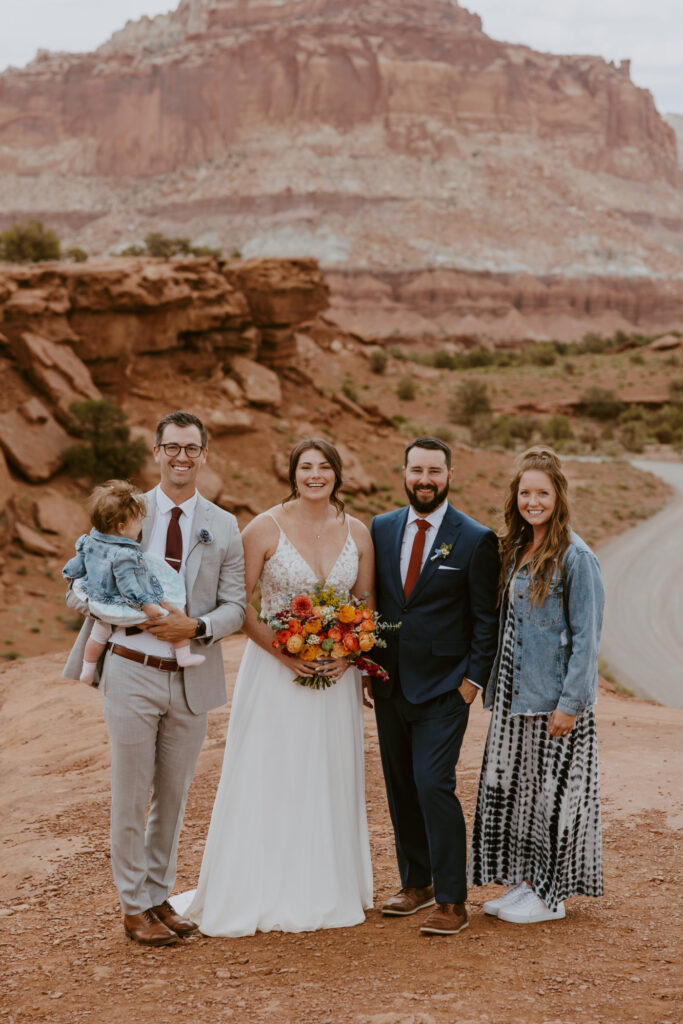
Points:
(676, 391)
(349, 389)
(163, 247)
(633, 436)
(442, 360)
(507, 429)
(107, 450)
(406, 389)
(76, 254)
(600, 404)
(443, 432)
(29, 242)
(470, 399)
(543, 353)
(559, 428)
(378, 360)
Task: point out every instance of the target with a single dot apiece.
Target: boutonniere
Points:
(204, 536)
(443, 551)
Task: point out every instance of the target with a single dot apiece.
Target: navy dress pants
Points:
(420, 745)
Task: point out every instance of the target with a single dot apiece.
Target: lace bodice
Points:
(287, 573)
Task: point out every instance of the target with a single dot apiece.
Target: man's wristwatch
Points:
(200, 630)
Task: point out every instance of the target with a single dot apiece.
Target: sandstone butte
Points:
(450, 184)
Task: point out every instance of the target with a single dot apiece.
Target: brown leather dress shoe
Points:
(182, 926)
(445, 919)
(148, 930)
(409, 901)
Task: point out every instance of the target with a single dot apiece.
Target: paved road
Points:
(643, 569)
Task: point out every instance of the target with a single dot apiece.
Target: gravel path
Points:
(643, 570)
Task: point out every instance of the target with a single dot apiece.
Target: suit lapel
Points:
(202, 519)
(395, 552)
(148, 521)
(448, 533)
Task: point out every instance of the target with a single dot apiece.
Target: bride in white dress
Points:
(288, 845)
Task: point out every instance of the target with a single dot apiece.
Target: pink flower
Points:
(302, 606)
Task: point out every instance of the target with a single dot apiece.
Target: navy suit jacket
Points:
(450, 620)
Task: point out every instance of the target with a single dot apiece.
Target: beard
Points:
(426, 505)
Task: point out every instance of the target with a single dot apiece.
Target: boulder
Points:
(356, 478)
(33, 441)
(280, 292)
(230, 421)
(668, 341)
(232, 390)
(56, 370)
(58, 514)
(260, 385)
(6, 485)
(33, 542)
(209, 483)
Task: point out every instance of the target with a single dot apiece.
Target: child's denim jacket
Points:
(556, 643)
(112, 569)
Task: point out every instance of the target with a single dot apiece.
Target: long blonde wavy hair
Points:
(546, 562)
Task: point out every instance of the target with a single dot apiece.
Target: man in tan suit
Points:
(156, 712)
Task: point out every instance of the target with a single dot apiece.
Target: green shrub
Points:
(378, 360)
(543, 353)
(633, 436)
(442, 360)
(107, 450)
(76, 254)
(29, 242)
(559, 428)
(406, 389)
(349, 389)
(600, 404)
(470, 399)
(676, 391)
(163, 247)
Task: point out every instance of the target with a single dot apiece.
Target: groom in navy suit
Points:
(437, 573)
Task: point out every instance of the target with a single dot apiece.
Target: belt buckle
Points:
(144, 662)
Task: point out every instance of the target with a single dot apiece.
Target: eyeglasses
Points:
(193, 451)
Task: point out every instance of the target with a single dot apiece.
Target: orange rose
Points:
(318, 611)
(294, 626)
(309, 653)
(346, 613)
(294, 644)
(358, 617)
(367, 625)
(368, 613)
(334, 633)
(350, 642)
(283, 636)
(338, 651)
(366, 641)
(313, 626)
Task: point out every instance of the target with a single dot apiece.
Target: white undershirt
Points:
(147, 642)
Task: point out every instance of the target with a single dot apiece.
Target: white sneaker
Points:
(529, 909)
(514, 892)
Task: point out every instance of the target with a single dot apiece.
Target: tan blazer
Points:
(214, 580)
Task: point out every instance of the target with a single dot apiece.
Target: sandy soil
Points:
(65, 959)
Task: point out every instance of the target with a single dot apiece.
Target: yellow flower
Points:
(309, 654)
(313, 626)
(346, 613)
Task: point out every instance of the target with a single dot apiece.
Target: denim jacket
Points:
(556, 643)
(112, 569)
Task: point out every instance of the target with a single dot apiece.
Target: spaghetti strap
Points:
(269, 513)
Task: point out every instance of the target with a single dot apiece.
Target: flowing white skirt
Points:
(288, 846)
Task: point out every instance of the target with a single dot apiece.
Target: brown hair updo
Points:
(113, 503)
(546, 561)
(332, 456)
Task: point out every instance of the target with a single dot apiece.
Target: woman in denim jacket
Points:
(120, 584)
(537, 823)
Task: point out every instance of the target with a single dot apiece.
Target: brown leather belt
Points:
(151, 660)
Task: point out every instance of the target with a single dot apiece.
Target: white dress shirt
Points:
(144, 641)
(435, 520)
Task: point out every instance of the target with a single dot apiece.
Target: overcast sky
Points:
(649, 32)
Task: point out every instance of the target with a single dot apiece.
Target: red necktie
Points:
(174, 540)
(415, 563)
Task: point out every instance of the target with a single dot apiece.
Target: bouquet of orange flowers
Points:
(326, 625)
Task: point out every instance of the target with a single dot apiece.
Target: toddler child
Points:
(121, 585)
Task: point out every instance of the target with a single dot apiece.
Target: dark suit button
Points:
(520, 619)
(404, 609)
(518, 667)
(516, 691)
(519, 643)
